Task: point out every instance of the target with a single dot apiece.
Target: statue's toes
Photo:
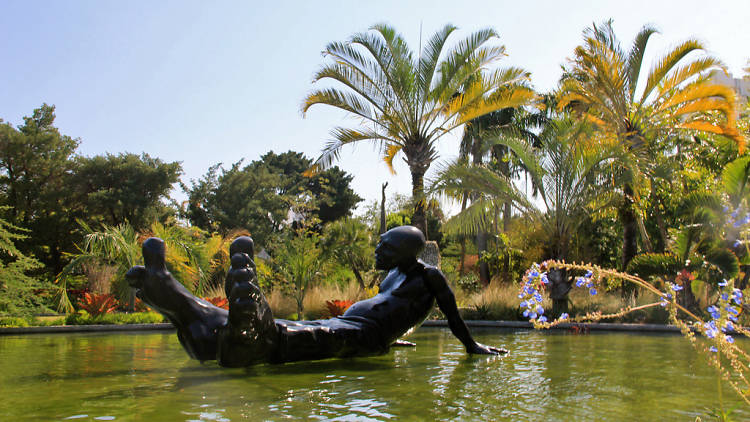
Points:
(136, 275)
(154, 252)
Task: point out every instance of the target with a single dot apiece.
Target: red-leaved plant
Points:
(338, 307)
(97, 304)
(218, 301)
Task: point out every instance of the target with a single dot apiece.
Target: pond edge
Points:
(643, 328)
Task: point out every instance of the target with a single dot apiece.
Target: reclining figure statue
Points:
(248, 334)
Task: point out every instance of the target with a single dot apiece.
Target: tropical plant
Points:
(97, 304)
(603, 83)
(16, 285)
(564, 168)
(297, 265)
(713, 244)
(408, 104)
(348, 242)
(337, 307)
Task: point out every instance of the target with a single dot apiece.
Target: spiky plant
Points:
(407, 104)
(603, 82)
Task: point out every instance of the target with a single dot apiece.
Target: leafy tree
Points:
(331, 188)
(408, 104)
(125, 188)
(601, 83)
(564, 167)
(259, 196)
(348, 242)
(297, 265)
(35, 173)
(17, 288)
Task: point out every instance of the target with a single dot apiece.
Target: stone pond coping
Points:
(639, 328)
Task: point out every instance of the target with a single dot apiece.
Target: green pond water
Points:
(548, 376)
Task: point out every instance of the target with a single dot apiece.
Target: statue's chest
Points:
(399, 285)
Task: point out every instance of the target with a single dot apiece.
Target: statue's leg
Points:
(196, 320)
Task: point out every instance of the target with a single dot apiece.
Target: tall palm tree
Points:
(603, 83)
(407, 104)
(564, 167)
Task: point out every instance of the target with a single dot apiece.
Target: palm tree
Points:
(564, 167)
(408, 104)
(515, 122)
(348, 242)
(603, 83)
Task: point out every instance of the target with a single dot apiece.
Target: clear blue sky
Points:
(205, 82)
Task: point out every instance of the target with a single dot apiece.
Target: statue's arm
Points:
(447, 303)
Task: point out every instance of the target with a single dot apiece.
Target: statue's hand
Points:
(481, 349)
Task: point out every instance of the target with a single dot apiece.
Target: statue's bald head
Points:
(399, 245)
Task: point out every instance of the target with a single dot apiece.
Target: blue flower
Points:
(732, 310)
(544, 280)
(524, 304)
(733, 318)
(676, 287)
(564, 315)
(532, 315)
(713, 349)
(539, 310)
(526, 313)
(729, 339)
(728, 327)
(714, 311)
(538, 297)
(724, 296)
(737, 243)
(534, 274)
(580, 281)
(592, 291)
(588, 274)
(542, 319)
(723, 283)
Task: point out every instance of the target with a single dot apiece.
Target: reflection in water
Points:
(547, 376)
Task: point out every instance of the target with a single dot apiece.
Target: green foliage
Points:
(347, 242)
(407, 104)
(84, 318)
(297, 265)
(35, 179)
(13, 321)
(125, 188)
(18, 291)
(259, 196)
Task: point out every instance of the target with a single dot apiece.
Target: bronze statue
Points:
(248, 333)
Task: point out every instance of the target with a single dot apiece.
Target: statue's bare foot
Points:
(196, 320)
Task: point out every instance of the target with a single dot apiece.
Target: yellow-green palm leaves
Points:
(604, 82)
(406, 104)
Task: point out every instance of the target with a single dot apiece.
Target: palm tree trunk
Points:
(418, 219)
(630, 228)
(484, 269)
(461, 268)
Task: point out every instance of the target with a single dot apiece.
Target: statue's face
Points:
(386, 254)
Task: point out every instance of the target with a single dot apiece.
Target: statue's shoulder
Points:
(430, 270)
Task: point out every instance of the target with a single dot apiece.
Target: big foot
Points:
(196, 320)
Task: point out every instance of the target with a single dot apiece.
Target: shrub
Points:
(84, 318)
(13, 322)
(97, 304)
(218, 301)
(337, 307)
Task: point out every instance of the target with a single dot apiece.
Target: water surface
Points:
(548, 376)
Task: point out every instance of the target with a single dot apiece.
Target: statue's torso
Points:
(403, 302)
